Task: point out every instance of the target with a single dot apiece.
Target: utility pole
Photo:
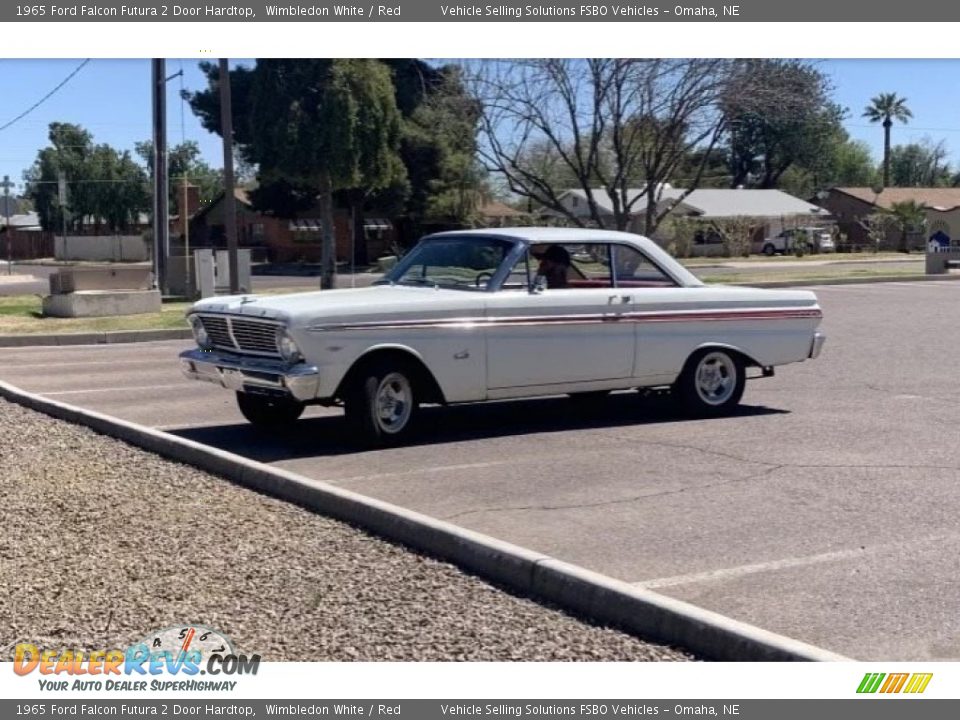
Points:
(185, 221)
(161, 223)
(6, 211)
(62, 199)
(230, 201)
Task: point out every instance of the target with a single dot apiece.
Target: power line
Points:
(46, 97)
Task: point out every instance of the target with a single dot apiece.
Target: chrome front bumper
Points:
(251, 374)
(817, 345)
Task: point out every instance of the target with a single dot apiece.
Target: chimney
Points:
(192, 205)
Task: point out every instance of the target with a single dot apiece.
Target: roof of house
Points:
(23, 220)
(602, 199)
(719, 202)
(241, 194)
(496, 209)
(727, 202)
(936, 198)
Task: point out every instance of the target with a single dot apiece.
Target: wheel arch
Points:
(424, 379)
(747, 358)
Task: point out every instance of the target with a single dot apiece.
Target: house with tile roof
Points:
(851, 205)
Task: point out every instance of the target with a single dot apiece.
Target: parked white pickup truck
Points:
(817, 239)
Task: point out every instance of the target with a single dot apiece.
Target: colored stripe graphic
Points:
(870, 682)
(894, 683)
(918, 683)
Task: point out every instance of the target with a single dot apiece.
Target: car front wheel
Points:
(381, 405)
(769, 250)
(712, 382)
(269, 412)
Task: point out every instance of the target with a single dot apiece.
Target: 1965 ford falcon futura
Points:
(500, 313)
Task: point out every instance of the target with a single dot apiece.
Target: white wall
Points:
(112, 248)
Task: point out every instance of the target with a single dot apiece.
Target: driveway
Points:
(826, 510)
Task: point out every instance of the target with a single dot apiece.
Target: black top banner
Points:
(465, 11)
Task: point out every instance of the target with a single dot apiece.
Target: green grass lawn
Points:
(21, 315)
(792, 259)
(806, 275)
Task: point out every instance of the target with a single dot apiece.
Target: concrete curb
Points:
(94, 338)
(601, 598)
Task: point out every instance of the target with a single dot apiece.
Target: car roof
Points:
(547, 234)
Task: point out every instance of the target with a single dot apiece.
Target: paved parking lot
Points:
(827, 510)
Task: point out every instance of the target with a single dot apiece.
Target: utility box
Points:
(208, 274)
(223, 271)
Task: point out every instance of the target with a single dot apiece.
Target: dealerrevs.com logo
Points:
(185, 651)
(912, 683)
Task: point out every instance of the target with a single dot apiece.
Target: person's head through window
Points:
(554, 265)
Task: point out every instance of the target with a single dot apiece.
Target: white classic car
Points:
(501, 313)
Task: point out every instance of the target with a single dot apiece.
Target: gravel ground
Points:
(103, 542)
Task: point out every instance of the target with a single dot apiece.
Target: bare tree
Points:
(622, 126)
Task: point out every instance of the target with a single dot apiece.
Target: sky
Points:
(111, 99)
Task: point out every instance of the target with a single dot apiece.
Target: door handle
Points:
(624, 299)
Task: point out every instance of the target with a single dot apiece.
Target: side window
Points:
(634, 269)
(520, 274)
(572, 266)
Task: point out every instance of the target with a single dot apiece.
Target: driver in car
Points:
(554, 266)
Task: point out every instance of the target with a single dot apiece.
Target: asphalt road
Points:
(826, 510)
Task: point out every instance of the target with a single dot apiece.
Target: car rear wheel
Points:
(382, 404)
(267, 411)
(712, 382)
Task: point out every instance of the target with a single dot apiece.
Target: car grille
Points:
(244, 336)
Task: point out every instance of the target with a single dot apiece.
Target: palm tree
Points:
(910, 217)
(887, 107)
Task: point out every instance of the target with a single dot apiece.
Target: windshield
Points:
(454, 262)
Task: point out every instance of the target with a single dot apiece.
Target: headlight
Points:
(287, 347)
(200, 333)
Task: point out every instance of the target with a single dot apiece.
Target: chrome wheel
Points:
(393, 402)
(716, 378)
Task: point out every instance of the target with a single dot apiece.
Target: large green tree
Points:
(323, 125)
(884, 109)
(105, 187)
(184, 161)
(922, 164)
(844, 163)
(790, 121)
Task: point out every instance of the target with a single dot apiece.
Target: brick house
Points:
(850, 205)
(285, 240)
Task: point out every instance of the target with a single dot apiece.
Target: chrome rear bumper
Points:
(251, 374)
(817, 345)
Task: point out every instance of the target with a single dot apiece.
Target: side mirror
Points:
(539, 284)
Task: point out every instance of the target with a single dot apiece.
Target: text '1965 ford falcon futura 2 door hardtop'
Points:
(501, 313)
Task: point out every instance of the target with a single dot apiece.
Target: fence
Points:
(26, 245)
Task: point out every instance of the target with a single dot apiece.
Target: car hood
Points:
(304, 309)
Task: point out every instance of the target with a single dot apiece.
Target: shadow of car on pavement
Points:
(327, 435)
